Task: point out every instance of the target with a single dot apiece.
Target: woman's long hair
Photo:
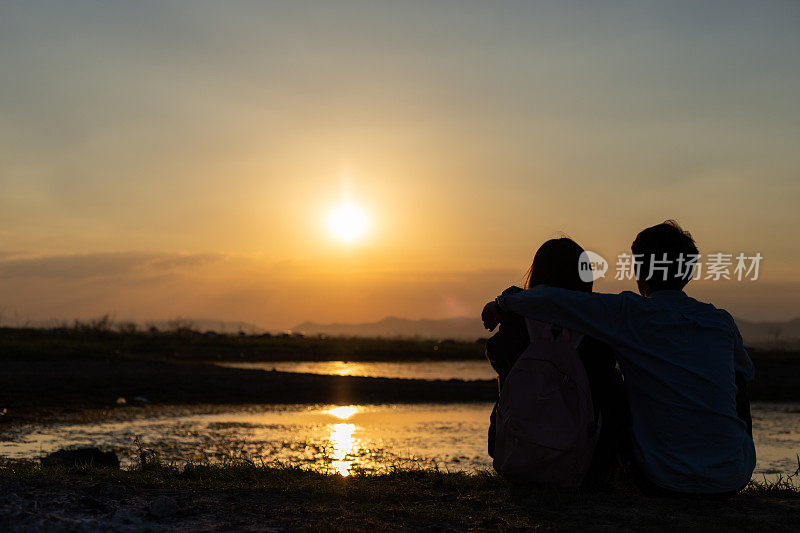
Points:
(556, 264)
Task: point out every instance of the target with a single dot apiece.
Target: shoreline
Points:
(75, 389)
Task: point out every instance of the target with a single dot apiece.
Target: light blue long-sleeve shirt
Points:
(678, 356)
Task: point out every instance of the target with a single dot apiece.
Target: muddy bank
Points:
(58, 388)
(57, 374)
(250, 498)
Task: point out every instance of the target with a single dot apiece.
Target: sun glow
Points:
(347, 222)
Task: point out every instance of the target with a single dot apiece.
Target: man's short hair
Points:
(665, 256)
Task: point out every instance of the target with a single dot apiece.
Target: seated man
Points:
(686, 370)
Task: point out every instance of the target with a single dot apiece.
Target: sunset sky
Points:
(164, 159)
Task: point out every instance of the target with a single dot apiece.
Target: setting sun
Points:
(347, 222)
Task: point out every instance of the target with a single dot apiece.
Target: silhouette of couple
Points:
(667, 376)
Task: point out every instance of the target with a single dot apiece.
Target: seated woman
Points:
(556, 264)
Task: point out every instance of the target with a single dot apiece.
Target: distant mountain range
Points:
(754, 333)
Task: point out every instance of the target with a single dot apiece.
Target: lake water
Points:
(345, 439)
(470, 370)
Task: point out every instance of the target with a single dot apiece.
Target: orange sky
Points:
(180, 160)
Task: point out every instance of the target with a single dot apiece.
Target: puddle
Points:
(346, 438)
(471, 370)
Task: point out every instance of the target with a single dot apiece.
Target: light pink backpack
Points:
(546, 424)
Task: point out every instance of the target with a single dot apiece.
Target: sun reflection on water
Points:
(342, 439)
(342, 368)
(343, 444)
(343, 412)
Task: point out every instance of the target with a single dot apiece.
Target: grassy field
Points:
(90, 365)
(270, 498)
(52, 375)
(193, 346)
(48, 374)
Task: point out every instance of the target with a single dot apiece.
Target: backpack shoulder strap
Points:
(573, 337)
(537, 329)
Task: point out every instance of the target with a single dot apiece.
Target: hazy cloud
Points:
(79, 267)
(152, 285)
(279, 294)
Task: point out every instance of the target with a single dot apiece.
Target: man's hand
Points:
(491, 315)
